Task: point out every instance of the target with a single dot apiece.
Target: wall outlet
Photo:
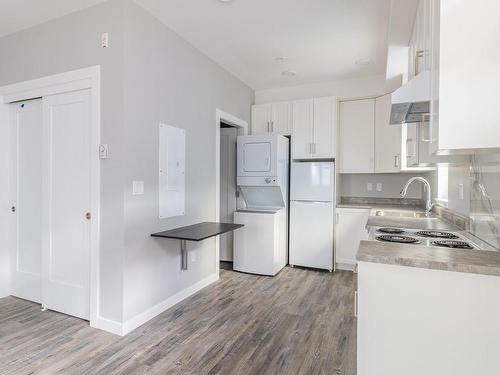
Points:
(379, 186)
(137, 187)
(104, 40)
(369, 186)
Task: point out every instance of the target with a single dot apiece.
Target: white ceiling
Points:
(321, 39)
(16, 15)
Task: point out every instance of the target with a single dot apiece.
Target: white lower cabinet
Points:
(350, 230)
(416, 321)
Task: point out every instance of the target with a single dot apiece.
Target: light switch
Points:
(103, 151)
(137, 187)
(104, 40)
(379, 186)
(369, 186)
(461, 191)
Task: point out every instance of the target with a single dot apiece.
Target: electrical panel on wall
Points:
(172, 171)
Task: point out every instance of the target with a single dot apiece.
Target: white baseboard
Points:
(122, 329)
(111, 326)
(149, 314)
(346, 267)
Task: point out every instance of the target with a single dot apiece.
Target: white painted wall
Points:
(70, 43)
(343, 89)
(167, 80)
(355, 185)
(148, 75)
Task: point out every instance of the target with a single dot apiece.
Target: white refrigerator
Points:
(312, 206)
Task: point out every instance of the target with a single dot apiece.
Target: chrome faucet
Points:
(427, 186)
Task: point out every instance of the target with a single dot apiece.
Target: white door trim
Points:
(86, 78)
(242, 127)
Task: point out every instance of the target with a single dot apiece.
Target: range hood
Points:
(411, 102)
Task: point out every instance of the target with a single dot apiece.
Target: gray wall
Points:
(354, 185)
(70, 43)
(148, 75)
(169, 81)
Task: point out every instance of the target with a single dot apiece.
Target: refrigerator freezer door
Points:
(312, 181)
(311, 234)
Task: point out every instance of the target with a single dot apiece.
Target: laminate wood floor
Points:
(300, 322)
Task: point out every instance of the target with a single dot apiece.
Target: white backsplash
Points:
(485, 198)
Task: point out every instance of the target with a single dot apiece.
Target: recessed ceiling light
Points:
(289, 73)
(363, 62)
(225, 1)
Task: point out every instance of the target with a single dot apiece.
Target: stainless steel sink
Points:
(407, 214)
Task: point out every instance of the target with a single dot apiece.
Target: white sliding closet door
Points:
(27, 182)
(66, 202)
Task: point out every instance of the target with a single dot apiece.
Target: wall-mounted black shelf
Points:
(196, 232)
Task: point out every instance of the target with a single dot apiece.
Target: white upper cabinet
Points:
(356, 142)
(271, 118)
(261, 119)
(468, 36)
(281, 121)
(314, 128)
(324, 130)
(420, 47)
(387, 138)
(302, 129)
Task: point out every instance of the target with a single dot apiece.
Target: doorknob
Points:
(88, 216)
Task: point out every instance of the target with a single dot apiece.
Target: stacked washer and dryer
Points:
(261, 247)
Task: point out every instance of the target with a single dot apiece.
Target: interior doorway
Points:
(228, 191)
(224, 120)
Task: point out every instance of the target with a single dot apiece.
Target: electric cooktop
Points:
(431, 238)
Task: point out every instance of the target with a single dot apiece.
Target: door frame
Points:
(242, 127)
(81, 79)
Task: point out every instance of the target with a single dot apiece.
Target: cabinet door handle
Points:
(396, 161)
(418, 55)
(268, 127)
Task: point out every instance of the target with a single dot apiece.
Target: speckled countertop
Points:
(485, 261)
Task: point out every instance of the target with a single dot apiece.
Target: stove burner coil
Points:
(436, 234)
(453, 244)
(391, 230)
(398, 239)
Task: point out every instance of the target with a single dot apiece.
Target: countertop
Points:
(485, 261)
